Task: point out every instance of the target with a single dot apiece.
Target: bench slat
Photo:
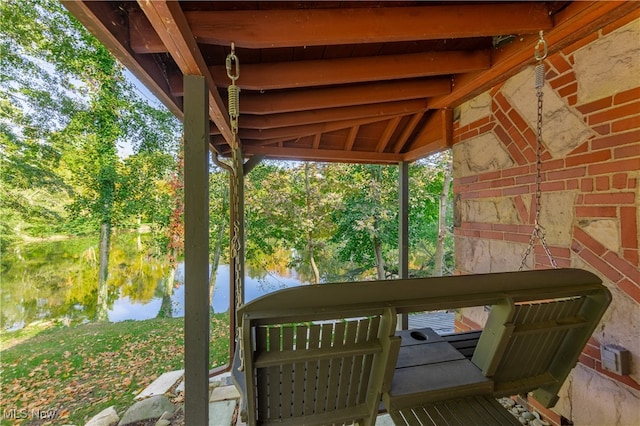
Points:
(323, 370)
(354, 394)
(273, 373)
(311, 374)
(472, 410)
(286, 409)
(299, 372)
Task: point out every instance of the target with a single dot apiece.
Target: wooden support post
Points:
(403, 232)
(196, 250)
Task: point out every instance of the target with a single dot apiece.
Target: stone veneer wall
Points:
(590, 201)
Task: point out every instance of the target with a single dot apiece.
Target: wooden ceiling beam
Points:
(362, 94)
(142, 36)
(263, 29)
(385, 137)
(406, 132)
(328, 155)
(436, 135)
(576, 21)
(169, 22)
(332, 97)
(316, 140)
(284, 133)
(332, 114)
(288, 75)
(351, 138)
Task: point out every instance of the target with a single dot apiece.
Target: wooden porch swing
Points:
(330, 353)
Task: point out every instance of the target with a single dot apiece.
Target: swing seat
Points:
(525, 346)
(300, 372)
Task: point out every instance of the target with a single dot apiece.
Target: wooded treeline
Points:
(339, 222)
(84, 152)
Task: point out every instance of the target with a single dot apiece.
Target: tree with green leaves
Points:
(270, 225)
(344, 218)
(430, 216)
(289, 216)
(65, 99)
(315, 199)
(443, 212)
(367, 219)
(36, 101)
(218, 222)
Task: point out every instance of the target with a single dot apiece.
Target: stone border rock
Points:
(523, 415)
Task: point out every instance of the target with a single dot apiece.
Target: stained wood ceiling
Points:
(336, 81)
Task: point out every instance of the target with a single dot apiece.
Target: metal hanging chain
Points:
(538, 232)
(236, 162)
(236, 245)
(233, 90)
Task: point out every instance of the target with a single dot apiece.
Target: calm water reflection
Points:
(125, 309)
(58, 280)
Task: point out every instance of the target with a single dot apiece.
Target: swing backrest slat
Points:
(534, 345)
(319, 373)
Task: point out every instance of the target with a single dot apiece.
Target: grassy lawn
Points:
(76, 372)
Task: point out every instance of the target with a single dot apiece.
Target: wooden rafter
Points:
(287, 75)
(351, 138)
(283, 133)
(288, 153)
(169, 22)
(349, 77)
(331, 97)
(261, 29)
(406, 132)
(386, 135)
(333, 114)
(435, 136)
(316, 140)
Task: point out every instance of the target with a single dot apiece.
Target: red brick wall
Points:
(602, 171)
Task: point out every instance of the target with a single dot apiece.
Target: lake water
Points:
(126, 309)
(58, 280)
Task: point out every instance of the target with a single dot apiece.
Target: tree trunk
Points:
(377, 243)
(166, 307)
(103, 269)
(215, 262)
(377, 247)
(217, 249)
(139, 237)
(312, 260)
(442, 226)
